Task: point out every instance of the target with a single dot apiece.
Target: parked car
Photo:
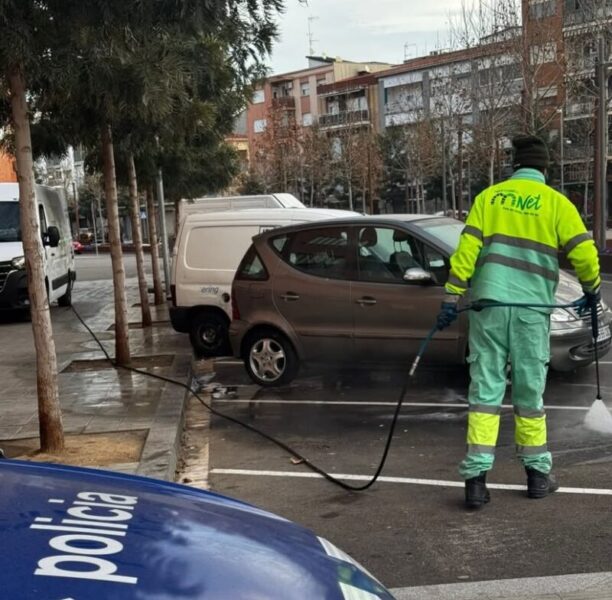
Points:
(71, 532)
(77, 247)
(207, 252)
(367, 290)
(58, 256)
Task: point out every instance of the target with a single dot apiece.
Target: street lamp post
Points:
(562, 149)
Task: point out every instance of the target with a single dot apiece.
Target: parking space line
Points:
(404, 480)
(357, 403)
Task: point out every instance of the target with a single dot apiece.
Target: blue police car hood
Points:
(81, 534)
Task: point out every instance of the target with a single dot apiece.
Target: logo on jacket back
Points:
(510, 200)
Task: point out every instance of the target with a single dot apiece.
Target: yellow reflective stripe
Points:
(480, 449)
(578, 239)
(531, 450)
(519, 242)
(472, 231)
(530, 431)
(515, 263)
(531, 413)
(455, 281)
(482, 429)
(591, 285)
(488, 409)
(585, 260)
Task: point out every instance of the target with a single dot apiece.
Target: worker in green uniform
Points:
(508, 253)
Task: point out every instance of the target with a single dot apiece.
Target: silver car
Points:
(367, 290)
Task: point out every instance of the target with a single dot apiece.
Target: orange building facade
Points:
(7, 169)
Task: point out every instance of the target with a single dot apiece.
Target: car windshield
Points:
(447, 231)
(10, 230)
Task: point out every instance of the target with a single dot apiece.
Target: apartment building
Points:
(351, 102)
(295, 94)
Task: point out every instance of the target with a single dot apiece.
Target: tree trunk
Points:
(49, 410)
(145, 310)
(350, 193)
(122, 342)
(153, 241)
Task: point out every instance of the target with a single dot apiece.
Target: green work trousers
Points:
(497, 335)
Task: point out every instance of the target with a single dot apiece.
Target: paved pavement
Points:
(109, 400)
(102, 400)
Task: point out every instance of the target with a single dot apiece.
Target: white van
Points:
(58, 252)
(207, 252)
(224, 203)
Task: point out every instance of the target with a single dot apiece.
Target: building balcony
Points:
(580, 109)
(586, 16)
(343, 119)
(284, 102)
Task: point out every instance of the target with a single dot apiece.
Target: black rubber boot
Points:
(476, 492)
(540, 485)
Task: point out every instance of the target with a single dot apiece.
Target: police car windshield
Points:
(446, 231)
(10, 230)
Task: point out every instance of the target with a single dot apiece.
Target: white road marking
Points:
(406, 480)
(357, 403)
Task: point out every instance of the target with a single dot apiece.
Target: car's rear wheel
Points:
(66, 299)
(209, 334)
(270, 359)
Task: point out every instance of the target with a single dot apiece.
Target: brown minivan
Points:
(366, 290)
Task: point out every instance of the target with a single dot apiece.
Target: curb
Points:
(161, 448)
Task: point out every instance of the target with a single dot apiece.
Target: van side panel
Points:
(59, 266)
(208, 261)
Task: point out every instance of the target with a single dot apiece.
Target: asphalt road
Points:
(413, 530)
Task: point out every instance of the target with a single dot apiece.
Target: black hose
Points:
(346, 486)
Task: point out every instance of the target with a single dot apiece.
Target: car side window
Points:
(385, 254)
(434, 262)
(251, 267)
(320, 252)
(43, 219)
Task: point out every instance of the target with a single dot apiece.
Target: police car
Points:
(70, 533)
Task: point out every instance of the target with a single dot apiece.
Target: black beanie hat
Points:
(530, 151)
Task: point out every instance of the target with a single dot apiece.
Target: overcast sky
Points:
(361, 30)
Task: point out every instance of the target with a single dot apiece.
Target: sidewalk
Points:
(103, 401)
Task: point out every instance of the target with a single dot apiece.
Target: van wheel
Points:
(209, 335)
(270, 359)
(66, 299)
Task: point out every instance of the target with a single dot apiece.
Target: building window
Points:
(307, 119)
(259, 97)
(259, 126)
(542, 9)
(546, 53)
(305, 88)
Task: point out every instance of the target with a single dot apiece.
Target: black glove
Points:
(448, 311)
(589, 302)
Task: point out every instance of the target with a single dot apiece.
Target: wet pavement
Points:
(411, 529)
(96, 401)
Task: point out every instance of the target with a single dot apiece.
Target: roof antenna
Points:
(311, 38)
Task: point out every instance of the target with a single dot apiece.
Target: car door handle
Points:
(290, 297)
(366, 301)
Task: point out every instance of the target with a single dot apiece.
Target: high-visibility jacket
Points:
(509, 247)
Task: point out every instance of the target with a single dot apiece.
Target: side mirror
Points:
(52, 238)
(418, 275)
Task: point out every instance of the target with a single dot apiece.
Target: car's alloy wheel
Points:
(270, 359)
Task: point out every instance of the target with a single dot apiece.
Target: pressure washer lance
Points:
(480, 305)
